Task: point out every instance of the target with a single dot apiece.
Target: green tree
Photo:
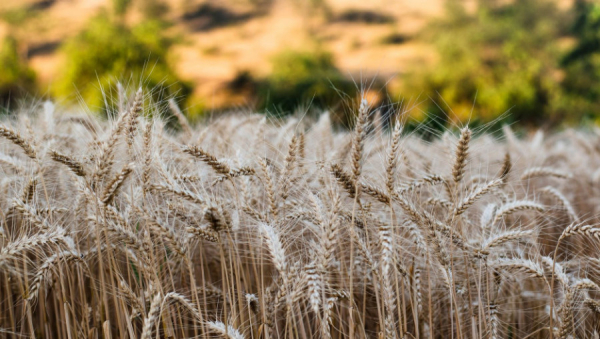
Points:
(301, 78)
(120, 7)
(581, 83)
(501, 57)
(107, 51)
(16, 78)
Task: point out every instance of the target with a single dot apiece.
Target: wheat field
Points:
(245, 227)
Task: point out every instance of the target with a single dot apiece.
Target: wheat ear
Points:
(544, 172)
(268, 183)
(184, 194)
(558, 270)
(519, 205)
(329, 235)
(209, 159)
(218, 218)
(314, 287)
(476, 194)
(583, 229)
(344, 179)
(147, 156)
(31, 214)
(504, 238)
(183, 301)
(358, 140)
(494, 321)
(75, 166)
(29, 190)
(566, 316)
(55, 237)
(390, 169)
(18, 140)
(113, 187)
(228, 331)
(207, 234)
(132, 117)
(506, 168)
(183, 122)
(563, 201)
(288, 167)
(592, 305)
(152, 316)
(521, 265)
(585, 284)
(275, 248)
(43, 271)
(462, 151)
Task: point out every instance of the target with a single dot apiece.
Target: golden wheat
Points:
(291, 230)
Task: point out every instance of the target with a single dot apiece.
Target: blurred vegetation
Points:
(581, 97)
(536, 62)
(16, 78)
(304, 78)
(120, 7)
(108, 51)
(502, 57)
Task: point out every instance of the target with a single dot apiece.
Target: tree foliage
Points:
(304, 78)
(107, 51)
(582, 65)
(501, 57)
(16, 78)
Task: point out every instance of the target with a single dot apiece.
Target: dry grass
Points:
(246, 228)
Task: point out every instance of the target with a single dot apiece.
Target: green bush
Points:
(16, 78)
(107, 51)
(302, 78)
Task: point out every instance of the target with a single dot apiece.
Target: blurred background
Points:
(446, 61)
